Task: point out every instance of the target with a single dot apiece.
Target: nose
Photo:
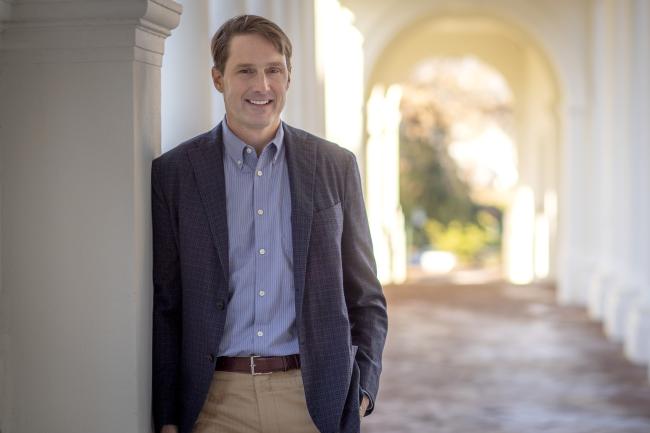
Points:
(262, 82)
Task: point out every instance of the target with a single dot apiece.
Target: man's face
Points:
(254, 84)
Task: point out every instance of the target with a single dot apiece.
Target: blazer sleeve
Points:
(166, 306)
(363, 292)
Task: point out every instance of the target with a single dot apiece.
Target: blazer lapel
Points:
(301, 165)
(207, 161)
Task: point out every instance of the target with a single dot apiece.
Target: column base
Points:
(618, 303)
(598, 287)
(637, 334)
(574, 279)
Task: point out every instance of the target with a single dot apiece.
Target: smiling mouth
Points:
(259, 101)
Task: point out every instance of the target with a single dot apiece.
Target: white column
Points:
(573, 205)
(187, 90)
(219, 12)
(305, 99)
(637, 331)
(6, 381)
(519, 236)
(340, 62)
(622, 294)
(602, 148)
(385, 215)
(524, 210)
(79, 103)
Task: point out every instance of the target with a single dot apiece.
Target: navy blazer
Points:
(340, 308)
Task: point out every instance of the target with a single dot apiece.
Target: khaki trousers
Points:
(267, 403)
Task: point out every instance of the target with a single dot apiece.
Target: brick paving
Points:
(497, 358)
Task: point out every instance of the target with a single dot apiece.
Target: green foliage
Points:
(446, 95)
(430, 182)
(439, 210)
(430, 185)
(470, 242)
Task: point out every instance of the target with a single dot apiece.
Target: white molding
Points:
(162, 16)
(161, 12)
(5, 12)
(88, 31)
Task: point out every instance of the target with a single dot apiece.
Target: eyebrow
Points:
(249, 65)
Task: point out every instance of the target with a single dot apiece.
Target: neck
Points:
(258, 138)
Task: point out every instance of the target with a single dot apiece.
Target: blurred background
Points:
(504, 149)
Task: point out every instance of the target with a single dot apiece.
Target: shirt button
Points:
(248, 150)
(262, 293)
(260, 212)
(259, 172)
(239, 162)
(260, 334)
(262, 251)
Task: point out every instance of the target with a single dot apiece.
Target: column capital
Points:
(86, 31)
(5, 12)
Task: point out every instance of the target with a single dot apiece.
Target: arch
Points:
(559, 30)
(472, 22)
(538, 102)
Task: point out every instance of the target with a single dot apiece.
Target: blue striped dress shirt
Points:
(261, 308)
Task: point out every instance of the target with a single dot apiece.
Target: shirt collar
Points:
(235, 146)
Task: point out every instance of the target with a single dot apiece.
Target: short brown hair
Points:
(248, 24)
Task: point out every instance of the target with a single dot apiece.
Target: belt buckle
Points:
(252, 362)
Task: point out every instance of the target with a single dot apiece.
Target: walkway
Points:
(498, 358)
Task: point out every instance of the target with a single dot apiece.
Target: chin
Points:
(266, 123)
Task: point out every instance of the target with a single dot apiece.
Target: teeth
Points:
(266, 101)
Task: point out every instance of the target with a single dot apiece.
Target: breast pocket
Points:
(328, 222)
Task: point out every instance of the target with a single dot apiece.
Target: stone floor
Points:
(497, 358)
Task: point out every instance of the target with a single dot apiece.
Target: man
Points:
(268, 316)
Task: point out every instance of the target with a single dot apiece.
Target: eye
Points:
(275, 70)
(245, 71)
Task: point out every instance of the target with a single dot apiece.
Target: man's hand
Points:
(169, 428)
(362, 408)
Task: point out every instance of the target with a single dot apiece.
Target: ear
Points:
(217, 79)
(288, 80)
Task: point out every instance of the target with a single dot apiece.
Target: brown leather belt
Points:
(257, 364)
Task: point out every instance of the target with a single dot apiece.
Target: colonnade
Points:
(80, 109)
(626, 301)
(610, 206)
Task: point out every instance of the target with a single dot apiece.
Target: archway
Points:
(531, 214)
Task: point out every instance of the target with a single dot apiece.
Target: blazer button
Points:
(211, 358)
(221, 305)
